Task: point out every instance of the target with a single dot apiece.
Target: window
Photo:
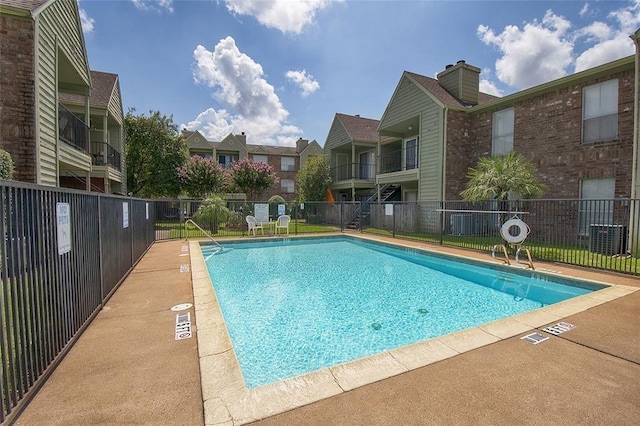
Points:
(411, 154)
(596, 205)
(205, 155)
(225, 160)
(288, 164)
(502, 132)
(260, 159)
(287, 186)
(600, 112)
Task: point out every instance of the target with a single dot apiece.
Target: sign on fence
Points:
(63, 219)
(262, 213)
(125, 214)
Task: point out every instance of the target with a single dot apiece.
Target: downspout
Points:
(443, 191)
(634, 247)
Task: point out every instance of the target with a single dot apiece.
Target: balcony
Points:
(104, 154)
(346, 172)
(72, 131)
(399, 160)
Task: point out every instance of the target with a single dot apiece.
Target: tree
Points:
(201, 177)
(253, 178)
(313, 179)
(495, 177)
(6, 165)
(154, 151)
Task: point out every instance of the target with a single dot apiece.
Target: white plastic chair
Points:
(254, 226)
(283, 223)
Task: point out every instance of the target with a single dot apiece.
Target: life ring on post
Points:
(523, 231)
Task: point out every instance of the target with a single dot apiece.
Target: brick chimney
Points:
(462, 81)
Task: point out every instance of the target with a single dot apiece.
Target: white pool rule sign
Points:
(63, 219)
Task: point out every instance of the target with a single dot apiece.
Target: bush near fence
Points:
(51, 291)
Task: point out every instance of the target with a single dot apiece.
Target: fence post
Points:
(442, 216)
(341, 217)
(393, 218)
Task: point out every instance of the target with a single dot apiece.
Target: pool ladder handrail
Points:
(205, 233)
(518, 249)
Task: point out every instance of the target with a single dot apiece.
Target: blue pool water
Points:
(292, 307)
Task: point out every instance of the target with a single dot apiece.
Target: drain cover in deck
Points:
(534, 338)
(559, 328)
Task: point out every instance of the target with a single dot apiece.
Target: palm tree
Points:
(494, 178)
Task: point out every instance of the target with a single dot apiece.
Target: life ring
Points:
(523, 231)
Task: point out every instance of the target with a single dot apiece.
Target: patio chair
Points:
(254, 226)
(283, 223)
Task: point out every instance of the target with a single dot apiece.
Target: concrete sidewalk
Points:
(127, 368)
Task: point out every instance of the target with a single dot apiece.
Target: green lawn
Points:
(578, 256)
(176, 230)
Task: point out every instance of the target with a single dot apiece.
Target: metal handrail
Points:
(201, 230)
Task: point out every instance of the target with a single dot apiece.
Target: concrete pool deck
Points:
(128, 368)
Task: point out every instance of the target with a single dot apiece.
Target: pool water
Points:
(293, 307)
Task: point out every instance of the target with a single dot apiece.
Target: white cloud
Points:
(154, 5)
(86, 21)
(250, 104)
(584, 10)
(544, 51)
(489, 87)
(539, 52)
(304, 81)
(606, 51)
(288, 16)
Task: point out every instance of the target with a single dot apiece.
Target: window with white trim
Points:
(596, 205)
(288, 164)
(260, 159)
(225, 160)
(502, 132)
(600, 112)
(410, 153)
(287, 186)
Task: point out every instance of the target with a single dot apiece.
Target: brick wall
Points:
(459, 154)
(17, 96)
(548, 131)
(276, 162)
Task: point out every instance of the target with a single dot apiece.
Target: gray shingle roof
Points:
(103, 85)
(360, 128)
(30, 5)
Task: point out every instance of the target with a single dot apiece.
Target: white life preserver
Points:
(523, 231)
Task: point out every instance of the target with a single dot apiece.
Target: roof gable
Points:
(231, 143)
(195, 140)
(359, 128)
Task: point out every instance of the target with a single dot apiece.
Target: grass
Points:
(176, 230)
(579, 256)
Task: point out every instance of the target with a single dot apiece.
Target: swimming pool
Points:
(297, 306)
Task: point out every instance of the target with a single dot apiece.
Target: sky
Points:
(280, 70)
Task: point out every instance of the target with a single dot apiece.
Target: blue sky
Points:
(280, 69)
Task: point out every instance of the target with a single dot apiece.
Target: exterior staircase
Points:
(364, 210)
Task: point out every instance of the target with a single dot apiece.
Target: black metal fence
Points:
(63, 253)
(228, 219)
(602, 234)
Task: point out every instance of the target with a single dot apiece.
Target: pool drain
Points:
(423, 311)
(559, 328)
(376, 326)
(534, 338)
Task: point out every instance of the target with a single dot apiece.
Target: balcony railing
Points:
(104, 154)
(72, 130)
(402, 159)
(346, 172)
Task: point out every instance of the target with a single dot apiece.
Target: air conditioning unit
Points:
(462, 224)
(607, 239)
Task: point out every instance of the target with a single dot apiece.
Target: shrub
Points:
(212, 212)
(6, 165)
